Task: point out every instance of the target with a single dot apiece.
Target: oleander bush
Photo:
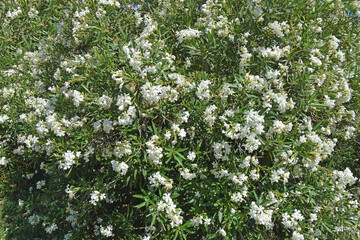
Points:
(181, 119)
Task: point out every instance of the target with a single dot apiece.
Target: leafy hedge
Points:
(180, 119)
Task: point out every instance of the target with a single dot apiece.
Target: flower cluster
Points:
(172, 212)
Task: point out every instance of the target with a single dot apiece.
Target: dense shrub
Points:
(180, 119)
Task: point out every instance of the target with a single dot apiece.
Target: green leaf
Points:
(140, 205)
(139, 196)
(318, 105)
(220, 215)
(178, 160)
(153, 220)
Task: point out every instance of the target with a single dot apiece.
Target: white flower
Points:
(297, 236)
(172, 213)
(151, 93)
(78, 97)
(191, 156)
(207, 221)
(278, 28)
(261, 216)
(203, 91)
(21, 203)
(316, 61)
(156, 180)
(97, 126)
(313, 217)
(68, 236)
(187, 34)
(123, 101)
(185, 173)
(96, 196)
(51, 228)
(40, 184)
(182, 134)
(238, 197)
(3, 118)
(119, 167)
(328, 102)
(222, 232)
(167, 135)
(68, 161)
(104, 101)
(221, 150)
(118, 77)
(154, 152)
(110, 3)
(34, 219)
(108, 125)
(210, 115)
(70, 190)
(3, 161)
(344, 178)
(107, 232)
(196, 221)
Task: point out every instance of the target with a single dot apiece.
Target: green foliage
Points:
(180, 119)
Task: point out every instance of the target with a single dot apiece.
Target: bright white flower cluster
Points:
(245, 56)
(280, 98)
(14, 14)
(239, 197)
(239, 178)
(276, 175)
(344, 178)
(68, 160)
(107, 231)
(203, 91)
(292, 221)
(77, 96)
(278, 29)
(118, 77)
(119, 167)
(156, 180)
(261, 215)
(96, 196)
(3, 161)
(191, 156)
(3, 118)
(106, 124)
(187, 34)
(186, 174)
(123, 101)
(110, 2)
(279, 127)
(7, 92)
(254, 82)
(122, 149)
(210, 115)
(221, 150)
(172, 213)
(154, 152)
(297, 236)
(104, 101)
(222, 232)
(154, 93)
(196, 221)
